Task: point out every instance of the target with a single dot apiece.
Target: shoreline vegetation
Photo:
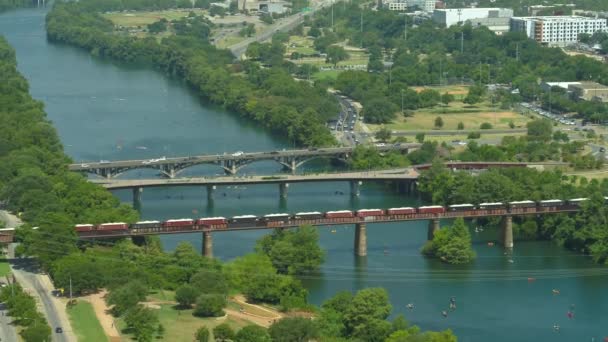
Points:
(295, 111)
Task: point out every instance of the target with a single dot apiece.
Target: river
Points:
(108, 111)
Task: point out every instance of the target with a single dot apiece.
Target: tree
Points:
(367, 306)
(336, 54)
(539, 129)
(485, 125)
(460, 126)
(210, 305)
(383, 134)
(438, 122)
(209, 280)
(293, 329)
(511, 124)
(446, 98)
(252, 333)
(379, 111)
(293, 251)
(420, 137)
(186, 296)
(85, 274)
(37, 332)
(223, 333)
(127, 296)
(202, 334)
(451, 244)
(142, 322)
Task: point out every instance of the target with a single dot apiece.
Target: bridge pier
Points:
(360, 240)
(355, 188)
(210, 192)
(283, 189)
(207, 245)
(137, 191)
(433, 227)
(507, 232)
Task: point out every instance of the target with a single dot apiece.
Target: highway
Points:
(39, 286)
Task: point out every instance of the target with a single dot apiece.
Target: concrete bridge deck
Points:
(231, 163)
(395, 174)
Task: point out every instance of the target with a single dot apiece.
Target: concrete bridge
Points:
(360, 239)
(231, 163)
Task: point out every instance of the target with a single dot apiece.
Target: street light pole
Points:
(401, 101)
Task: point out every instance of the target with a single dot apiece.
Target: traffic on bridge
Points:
(231, 163)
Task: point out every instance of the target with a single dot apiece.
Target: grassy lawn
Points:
(4, 268)
(300, 44)
(326, 75)
(181, 325)
(134, 19)
(471, 116)
(161, 295)
(229, 41)
(459, 91)
(85, 323)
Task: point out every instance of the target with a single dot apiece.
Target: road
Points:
(393, 174)
(7, 331)
(281, 25)
(39, 286)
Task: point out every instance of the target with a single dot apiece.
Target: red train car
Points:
(178, 223)
(370, 212)
(401, 211)
(113, 226)
(85, 227)
(431, 209)
(208, 221)
(339, 214)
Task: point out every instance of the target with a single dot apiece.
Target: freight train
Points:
(279, 219)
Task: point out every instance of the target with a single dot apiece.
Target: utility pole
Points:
(517, 52)
(462, 42)
(332, 15)
(404, 26)
(401, 101)
(361, 24)
(440, 70)
(70, 288)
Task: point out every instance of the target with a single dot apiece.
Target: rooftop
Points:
(556, 18)
(589, 85)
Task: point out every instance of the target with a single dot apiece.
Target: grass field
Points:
(326, 75)
(4, 268)
(459, 91)
(85, 323)
(471, 116)
(181, 325)
(134, 19)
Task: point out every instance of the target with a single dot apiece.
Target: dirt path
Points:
(105, 319)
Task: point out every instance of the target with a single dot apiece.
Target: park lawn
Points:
(471, 116)
(161, 295)
(459, 91)
(229, 41)
(85, 324)
(181, 325)
(142, 18)
(301, 44)
(326, 75)
(252, 309)
(4, 267)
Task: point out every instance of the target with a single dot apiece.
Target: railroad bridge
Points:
(360, 223)
(291, 160)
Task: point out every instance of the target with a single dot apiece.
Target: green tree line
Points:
(585, 231)
(296, 111)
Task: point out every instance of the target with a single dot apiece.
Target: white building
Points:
(404, 5)
(557, 30)
(453, 16)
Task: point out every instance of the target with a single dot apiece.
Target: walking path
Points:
(105, 319)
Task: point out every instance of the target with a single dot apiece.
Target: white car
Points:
(238, 154)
